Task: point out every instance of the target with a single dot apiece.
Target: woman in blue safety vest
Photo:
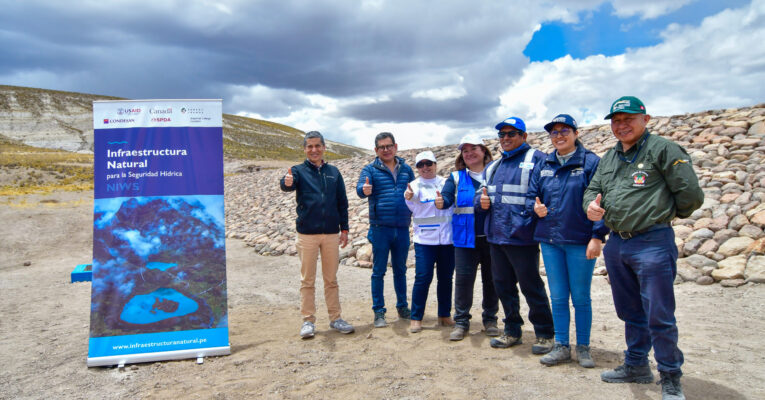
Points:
(470, 245)
(569, 241)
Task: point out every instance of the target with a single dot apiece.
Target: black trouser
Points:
(519, 265)
(466, 263)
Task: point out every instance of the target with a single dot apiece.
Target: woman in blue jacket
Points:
(569, 241)
(470, 245)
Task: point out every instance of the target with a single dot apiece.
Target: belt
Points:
(630, 235)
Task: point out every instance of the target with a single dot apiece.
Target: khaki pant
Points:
(308, 248)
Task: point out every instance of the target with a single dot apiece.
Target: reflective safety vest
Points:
(511, 194)
(463, 220)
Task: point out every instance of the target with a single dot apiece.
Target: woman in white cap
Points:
(432, 242)
(569, 241)
(470, 245)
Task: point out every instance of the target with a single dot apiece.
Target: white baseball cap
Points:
(470, 139)
(424, 155)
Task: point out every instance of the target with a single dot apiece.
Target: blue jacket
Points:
(322, 205)
(561, 189)
(507, 181)
(386, 203)
(466, 225)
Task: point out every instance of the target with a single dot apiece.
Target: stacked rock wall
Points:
(722, 242)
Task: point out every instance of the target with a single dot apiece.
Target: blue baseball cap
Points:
(515, 122)
(564, 119)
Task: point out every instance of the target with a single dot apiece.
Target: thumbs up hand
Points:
(540, 209)
(367, 188)
(594, 211)
(408, 193)
(288, 179)
(439, 200)
(485, 200)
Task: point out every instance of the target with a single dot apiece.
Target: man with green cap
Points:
(640, 186)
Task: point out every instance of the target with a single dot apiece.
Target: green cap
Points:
(627, 104)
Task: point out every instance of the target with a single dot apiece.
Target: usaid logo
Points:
(128, 111)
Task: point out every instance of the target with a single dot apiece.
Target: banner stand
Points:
(159, 288)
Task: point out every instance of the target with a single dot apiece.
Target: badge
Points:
(526, 165)
(547, 172)
(639, 178)
(640, 165)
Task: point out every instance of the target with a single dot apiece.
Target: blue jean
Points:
(642, 273)
(466, 262)
(395, 241)
(513, 266)
(569, 274)
(425, 257)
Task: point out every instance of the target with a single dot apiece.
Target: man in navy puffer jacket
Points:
(383, 182)
(510, 230)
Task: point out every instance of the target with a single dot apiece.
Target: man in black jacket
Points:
(322, 213)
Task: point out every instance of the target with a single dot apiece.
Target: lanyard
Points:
(640, 146)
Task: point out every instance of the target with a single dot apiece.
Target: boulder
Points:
(705, 280)
(755, 269)
(364, 253)
(732, 282)
(730, 268)
(734, 246)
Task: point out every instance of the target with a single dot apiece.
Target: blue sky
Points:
(601, 31)
(428, 71)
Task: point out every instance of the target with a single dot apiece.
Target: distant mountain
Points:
(54, 119)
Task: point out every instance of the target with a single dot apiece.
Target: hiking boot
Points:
(627, 373)
(583, 356)
(415, 326)
(505, 341)
(670, 386)
(445, 321)
(558, 354)
(307, 330)
(491, 329)
(404, 312)
(458, 333)
(341, 326)
(542, 346)
(380, 319)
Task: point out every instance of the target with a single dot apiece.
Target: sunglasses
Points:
(425, 163)
(510, 134)
(562, 132)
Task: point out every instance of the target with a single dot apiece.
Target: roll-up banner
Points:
(159, 255)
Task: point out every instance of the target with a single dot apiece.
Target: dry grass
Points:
(25, 170)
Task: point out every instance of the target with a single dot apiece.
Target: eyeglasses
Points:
(563, 132)
(510, 134)
(425, 163)
(386, 147)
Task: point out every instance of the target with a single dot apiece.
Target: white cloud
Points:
(719, 64)
(647, 9)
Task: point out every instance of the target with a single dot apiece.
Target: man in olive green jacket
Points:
(640, 186)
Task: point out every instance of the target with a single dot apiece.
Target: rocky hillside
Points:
(64, 120)
(721, 242)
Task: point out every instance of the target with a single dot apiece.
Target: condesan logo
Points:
(118, 121)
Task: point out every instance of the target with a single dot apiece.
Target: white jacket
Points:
(431, 225)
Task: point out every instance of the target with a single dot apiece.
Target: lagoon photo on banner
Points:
(159, 255)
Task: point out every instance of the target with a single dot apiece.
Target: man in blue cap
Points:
(640, 186)
(509, 229)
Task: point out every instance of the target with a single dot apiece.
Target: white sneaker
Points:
(307, 330)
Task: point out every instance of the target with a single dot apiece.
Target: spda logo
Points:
(160, 119)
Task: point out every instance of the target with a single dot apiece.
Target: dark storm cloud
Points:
(341, 49)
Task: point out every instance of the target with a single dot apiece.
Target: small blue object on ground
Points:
(82, 273)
